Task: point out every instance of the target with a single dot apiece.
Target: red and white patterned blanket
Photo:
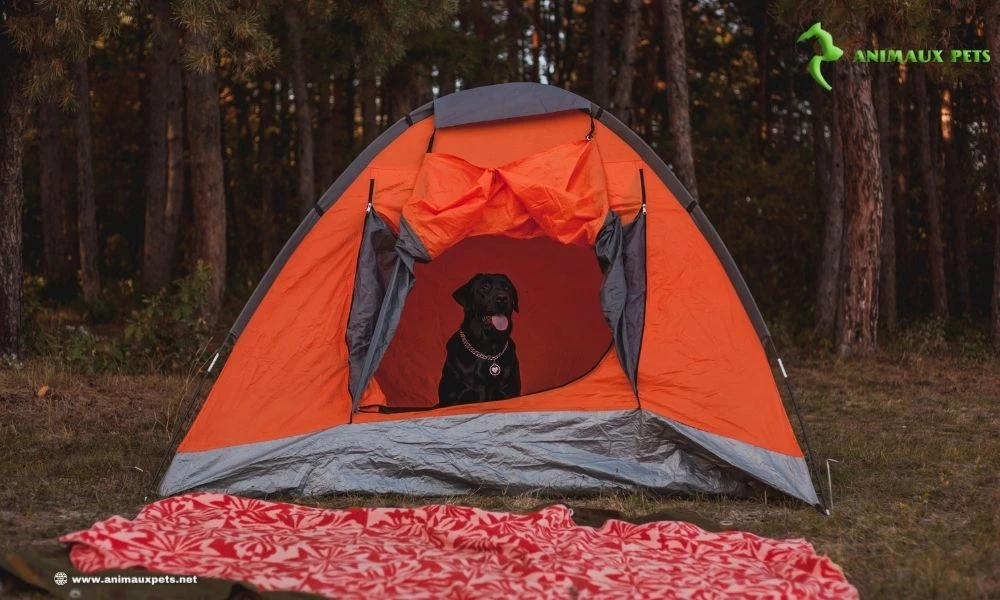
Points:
(441, 551)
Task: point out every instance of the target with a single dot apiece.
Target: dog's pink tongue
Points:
(500, 322)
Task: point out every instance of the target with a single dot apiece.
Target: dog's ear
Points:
(463, 295)
(513, 293)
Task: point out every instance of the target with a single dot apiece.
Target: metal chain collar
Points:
(477, 353)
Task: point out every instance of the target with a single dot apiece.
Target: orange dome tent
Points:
(641, 349)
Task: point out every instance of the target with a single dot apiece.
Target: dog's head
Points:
(489, 299)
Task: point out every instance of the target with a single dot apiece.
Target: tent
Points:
(642, 352)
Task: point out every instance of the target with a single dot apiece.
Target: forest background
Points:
(142, 139)
(156, 154)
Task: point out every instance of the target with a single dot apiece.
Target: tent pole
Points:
(810, 458)
(187, 411)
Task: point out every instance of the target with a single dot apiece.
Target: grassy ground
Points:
(916, 491)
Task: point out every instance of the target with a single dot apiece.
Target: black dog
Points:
(482, 362)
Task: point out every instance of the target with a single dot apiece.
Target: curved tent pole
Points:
(825, 503)
(328, 199)
(185, 415)
(555, 100)
(722, 253)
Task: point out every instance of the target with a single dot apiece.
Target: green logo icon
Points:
(830, 52)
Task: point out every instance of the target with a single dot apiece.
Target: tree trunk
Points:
(901, 197)
(164, 152)
(993, 42)
(957, 193)
(13, 115)
(515, 32)
(887, 272)
(555, 43)
(858, 323)
(928, 168)
(266, 165)
(554, 35)
(536, 41)
(622, 102)
(407, 86)
(830, 181)
(326, 139)
(236, 138)
(569, 57)
(760, 13)
(646, 112)
(446, 79)
(600, 48)
(369, 108)
(90, 277)
(343, 122)
(204, 132)
(678, 106)
(305, 155)
(480, 66)
(54, 231)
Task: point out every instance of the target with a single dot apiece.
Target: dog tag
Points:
(494, 369)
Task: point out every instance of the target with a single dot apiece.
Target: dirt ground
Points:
(916, 491)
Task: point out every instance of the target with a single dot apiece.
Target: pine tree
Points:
(86, 209)
(14, 69)
(993, 42)
(887, 269)
(58, 269)
(600, 47)
(305, 154)
(829, 169)
(164, 187)
(34, 50)
(678, 104)
(622, 102)
(858, 323)
(935, 239)
(201, 110)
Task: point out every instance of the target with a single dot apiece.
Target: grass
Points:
(916, 491)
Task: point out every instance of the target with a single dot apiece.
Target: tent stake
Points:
(810, 458)
(829, 480)
(212, 364)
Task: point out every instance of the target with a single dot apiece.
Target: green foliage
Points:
(84, 352)
(54, 32)
(937, 336)
(31, 304)
(168, 332)
(100, 310)
(925, 337)
(385, 28)
(166, 335)
(237, 31)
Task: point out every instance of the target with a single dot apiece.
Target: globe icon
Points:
(61, 578)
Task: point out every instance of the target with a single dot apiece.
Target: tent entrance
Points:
(541, 220)
(560, 330)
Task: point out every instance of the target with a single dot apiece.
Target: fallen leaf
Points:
(42, 391)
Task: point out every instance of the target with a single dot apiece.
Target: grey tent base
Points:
(545, 452)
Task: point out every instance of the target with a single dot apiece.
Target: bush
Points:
(166, 335)
(85, 352)
(937, 336)
(925, 337)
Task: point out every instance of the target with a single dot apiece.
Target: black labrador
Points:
(482, 361)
